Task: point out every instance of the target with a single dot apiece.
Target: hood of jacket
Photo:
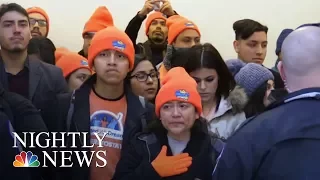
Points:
(238, 99)
(235, 102)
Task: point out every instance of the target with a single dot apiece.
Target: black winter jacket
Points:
(135, 162)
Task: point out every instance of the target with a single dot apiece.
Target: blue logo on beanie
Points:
(84, 63)
(182, 94)
(119, 45)
(189, 24)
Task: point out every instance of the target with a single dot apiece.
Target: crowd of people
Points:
(167, 108)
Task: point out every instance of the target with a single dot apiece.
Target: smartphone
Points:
(157, 5)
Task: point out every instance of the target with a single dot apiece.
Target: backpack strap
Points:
(70, 111)
(143, 117)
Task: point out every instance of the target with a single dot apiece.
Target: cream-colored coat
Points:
(229, 115)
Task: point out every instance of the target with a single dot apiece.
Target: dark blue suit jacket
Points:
(282, 143)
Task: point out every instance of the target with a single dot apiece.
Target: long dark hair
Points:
(137, 60)
(207, 56)
(255, 104)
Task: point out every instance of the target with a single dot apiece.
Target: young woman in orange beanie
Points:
(176, 146)
(75, 69)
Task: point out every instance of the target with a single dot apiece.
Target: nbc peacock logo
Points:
(26, 159)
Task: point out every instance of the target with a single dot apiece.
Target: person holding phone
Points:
(156, 30)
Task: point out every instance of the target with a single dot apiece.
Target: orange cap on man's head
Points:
(70, 62)
(153, 16)
(59, 52)
(173, 19)
(178, 86)
(100, 19)
(179, 26)
(42, 12)
(111, 38)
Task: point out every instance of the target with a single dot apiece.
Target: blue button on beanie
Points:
(252, 76)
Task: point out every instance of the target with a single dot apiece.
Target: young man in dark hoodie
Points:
(105, 104)
(251, 44)
(156, 30)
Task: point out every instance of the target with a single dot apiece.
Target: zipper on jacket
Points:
(81, 142)
(149, 154)
(148, 151)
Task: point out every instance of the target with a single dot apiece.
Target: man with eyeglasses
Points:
(39, 22)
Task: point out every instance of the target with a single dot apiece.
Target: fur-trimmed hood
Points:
(229, 114)
(238, 99)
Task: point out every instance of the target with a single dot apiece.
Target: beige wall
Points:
(214, 17)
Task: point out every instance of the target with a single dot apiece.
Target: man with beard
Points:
(26, 75)
(39, 22)
(156, 30)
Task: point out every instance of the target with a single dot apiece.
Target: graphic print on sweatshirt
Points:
(107, 119)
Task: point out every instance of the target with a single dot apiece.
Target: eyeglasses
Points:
(42, 23)
(142, 76)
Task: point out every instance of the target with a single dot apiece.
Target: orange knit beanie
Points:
(111, 38)
(153, 16)
(173, 19)
(71, 62)
(100, 19)
(177, 85)
(178, 27)
(42, 12)
(59, 52)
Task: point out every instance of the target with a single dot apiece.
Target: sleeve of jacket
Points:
(62, 104)
(134, 26)
(235, 160)
(132, 165)
(60, 83)
(134, 127)
(28, 119)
